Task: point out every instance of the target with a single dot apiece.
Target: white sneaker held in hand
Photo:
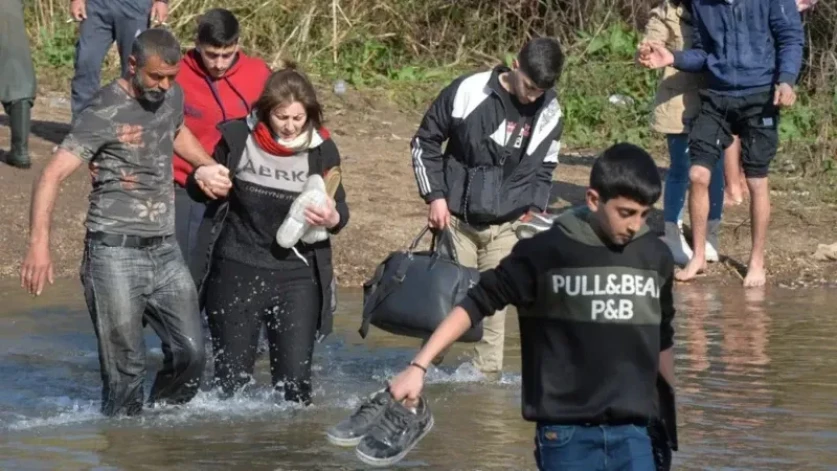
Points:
(295, 228)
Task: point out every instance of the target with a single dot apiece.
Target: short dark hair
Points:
(218, 28)
(156, 42)
(628, 171)
(542, 60)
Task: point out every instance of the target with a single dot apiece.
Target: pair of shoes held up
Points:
(382, 430)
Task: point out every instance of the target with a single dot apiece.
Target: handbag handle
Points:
(441, 245)
(418, 238)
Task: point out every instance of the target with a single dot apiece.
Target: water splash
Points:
(75, 412)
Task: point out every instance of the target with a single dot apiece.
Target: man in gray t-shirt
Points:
(132, 271)
(131, 147)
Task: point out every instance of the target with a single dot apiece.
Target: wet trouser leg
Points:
(123, 284)
(188, 215)
(172, 312)
(239, 299)
(291, 323)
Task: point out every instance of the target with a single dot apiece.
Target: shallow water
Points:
(757, 390)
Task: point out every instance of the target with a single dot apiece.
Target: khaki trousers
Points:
(483, 248)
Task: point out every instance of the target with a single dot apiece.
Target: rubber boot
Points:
(675, 241)
(19, 122)
(712, 230)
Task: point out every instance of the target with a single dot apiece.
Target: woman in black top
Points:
(247, 278)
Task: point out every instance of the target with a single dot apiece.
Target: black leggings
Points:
(239, 298)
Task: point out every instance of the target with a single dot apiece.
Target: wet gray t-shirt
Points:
(131, 148)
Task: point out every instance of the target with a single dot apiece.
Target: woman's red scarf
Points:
(264, 138)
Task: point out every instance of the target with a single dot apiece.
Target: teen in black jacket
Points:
(503, 129)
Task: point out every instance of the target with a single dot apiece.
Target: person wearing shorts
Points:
(747, 85)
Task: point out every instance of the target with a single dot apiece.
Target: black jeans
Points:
(123, 285)
(239, 298)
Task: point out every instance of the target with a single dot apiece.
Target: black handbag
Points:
(412, 292)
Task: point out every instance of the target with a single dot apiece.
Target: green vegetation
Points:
(409, 49)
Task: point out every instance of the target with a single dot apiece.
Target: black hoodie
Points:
(593, 319)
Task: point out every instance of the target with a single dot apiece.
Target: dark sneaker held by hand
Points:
(350, 432)
(395, 434)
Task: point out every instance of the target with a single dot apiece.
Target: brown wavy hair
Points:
(286, 86)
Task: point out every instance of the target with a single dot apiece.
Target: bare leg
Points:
(760, 216)
(699, 213)
(733, 176)
(745, 188)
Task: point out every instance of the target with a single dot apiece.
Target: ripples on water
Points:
(757, 390)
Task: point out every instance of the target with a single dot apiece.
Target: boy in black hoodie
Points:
(594, 296)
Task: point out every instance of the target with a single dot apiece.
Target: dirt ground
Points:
(386, 211)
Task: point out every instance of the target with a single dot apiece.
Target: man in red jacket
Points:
(219, 83)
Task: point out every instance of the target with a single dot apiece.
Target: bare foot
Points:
(756, 277)
(692, 269)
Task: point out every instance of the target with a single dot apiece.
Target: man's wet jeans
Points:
(593, 448)
(127, 279)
